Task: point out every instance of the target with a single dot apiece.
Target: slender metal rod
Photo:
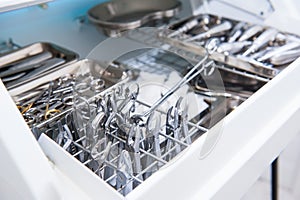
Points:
(178, 85)
(274, 179)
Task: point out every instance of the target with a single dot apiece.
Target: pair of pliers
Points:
(173, 128)
(124, 173)
(133, 146)
(152, 141)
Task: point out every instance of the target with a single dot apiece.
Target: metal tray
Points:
(118, 16)
(244, 63)
(38, 89)
(230, 75)
(33, 61)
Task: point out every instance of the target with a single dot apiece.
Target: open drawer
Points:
(248, 139)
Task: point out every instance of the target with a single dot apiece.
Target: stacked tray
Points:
(33, 61)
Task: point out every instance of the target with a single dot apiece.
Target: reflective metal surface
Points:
(244, 46)
(117, 16)
(33, 61)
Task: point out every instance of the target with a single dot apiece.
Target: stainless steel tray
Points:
(33, 61)
(62, 82)
(244, 63)
(230, 75)
(117, 16)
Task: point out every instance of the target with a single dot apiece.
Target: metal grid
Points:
(83, 153)
(80, 147)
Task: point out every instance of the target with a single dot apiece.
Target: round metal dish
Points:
(117, 16)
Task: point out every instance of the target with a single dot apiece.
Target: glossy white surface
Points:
(24, 172)
(88, 184)
(8, 5)
(252, 136)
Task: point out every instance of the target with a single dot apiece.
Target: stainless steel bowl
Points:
(117, 16)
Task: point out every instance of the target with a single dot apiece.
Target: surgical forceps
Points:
(152, 141)
(172, 129)
(188, 77)
(133, 146)
(183, 119)
(124, 173)
(50, 112)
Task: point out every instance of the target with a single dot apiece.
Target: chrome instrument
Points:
(251, 32)
(245, 47)
(264, 38)
(285, 57)
(216, 30)
(234, 47)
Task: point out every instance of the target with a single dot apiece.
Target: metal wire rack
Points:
(150, 161)
(108, 154)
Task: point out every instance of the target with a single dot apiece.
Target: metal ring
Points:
(97, 84)
(29, 119)
(68, 100)
(81, 87)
